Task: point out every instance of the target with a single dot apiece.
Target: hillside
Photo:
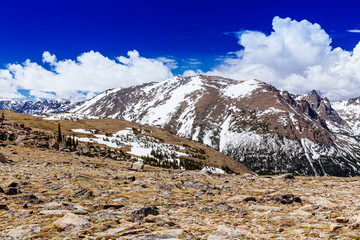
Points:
(268, 130)
(134, 140)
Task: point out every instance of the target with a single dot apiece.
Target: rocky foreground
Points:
(47, 194)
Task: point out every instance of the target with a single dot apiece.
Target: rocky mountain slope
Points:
(268, 130)
(36, 107)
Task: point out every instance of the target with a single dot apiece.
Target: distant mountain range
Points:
(268, 130)
(36, 107)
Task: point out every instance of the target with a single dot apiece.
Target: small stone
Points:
(131, 178)
(114, 206)
(3, 207)
(287, 176)
(12, 191)
(84, 193)
(335, 226)
(341, 220)
(13, 185)
(2, 158)
(2, 190)
(249, 199)
(19, 142)
(222, 207)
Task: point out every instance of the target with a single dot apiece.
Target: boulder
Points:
(84, 193)
(12, 191)
(21, 232)
(341, 220)
(137, 166)
(2, 158)
(53, 144)
(354, 222)
(19, 142)
(3, 207)
(322, 202)
(144, 212)
(222, 207)
(335, 226)
(72, 222)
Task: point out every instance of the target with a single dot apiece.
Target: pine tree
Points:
(2, 118)
(59, 137)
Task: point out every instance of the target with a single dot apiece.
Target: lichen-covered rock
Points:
(21, 232)
(72, 222)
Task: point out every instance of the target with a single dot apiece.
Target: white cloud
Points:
(296, 56)
(168, 62)
(91, 72)
(354, 30)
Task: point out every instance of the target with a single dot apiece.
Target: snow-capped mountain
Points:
(36, 107)
(268, 130)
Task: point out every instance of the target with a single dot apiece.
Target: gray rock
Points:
(72, 222)
(21, 232)
(53, 212)
(144, 212)
(84, 194)
(222, 207)
(138, 166)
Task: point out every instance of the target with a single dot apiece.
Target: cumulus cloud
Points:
(79, 79)
(296, 56)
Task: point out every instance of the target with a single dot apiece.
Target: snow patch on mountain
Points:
(242, 89)
(350, 112)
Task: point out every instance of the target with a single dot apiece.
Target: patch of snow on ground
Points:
(141, 145)
(215, 170)
(66, 116)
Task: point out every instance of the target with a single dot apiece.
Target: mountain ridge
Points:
(253, 122)
(268, 130)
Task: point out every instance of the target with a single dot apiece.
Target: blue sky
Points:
(196, 35)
